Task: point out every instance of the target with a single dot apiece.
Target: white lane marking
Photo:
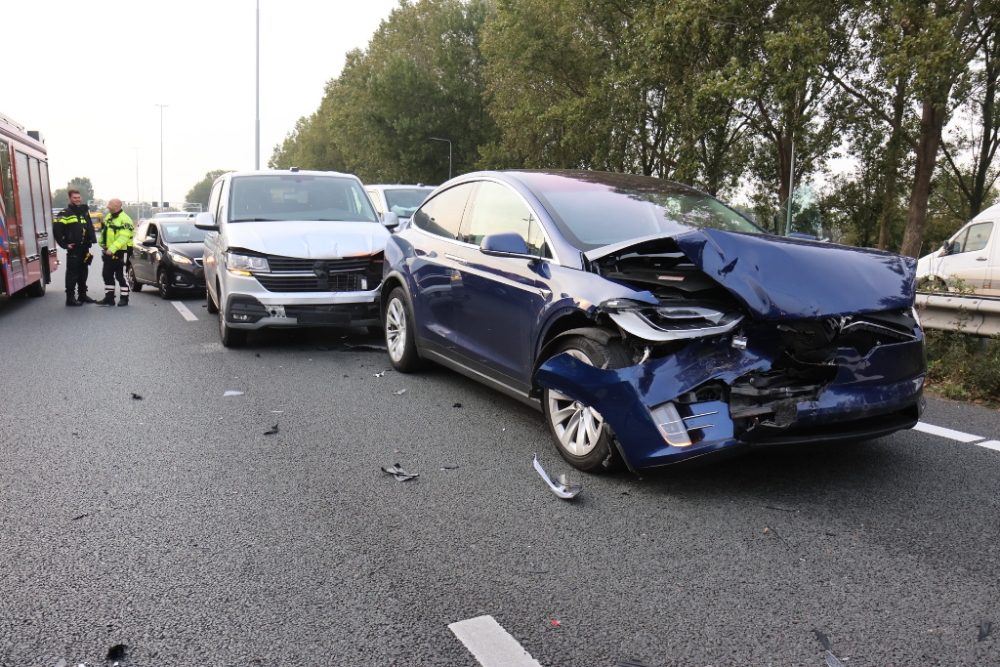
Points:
(946, 432)
(490, 644)
(990, 444)
(183, 310)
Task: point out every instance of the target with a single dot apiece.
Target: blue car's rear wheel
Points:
(579, 431)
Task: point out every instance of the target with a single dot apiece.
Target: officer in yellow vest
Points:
(116, 240)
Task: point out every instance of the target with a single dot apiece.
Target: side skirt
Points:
(428, 351)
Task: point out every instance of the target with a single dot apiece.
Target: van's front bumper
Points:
(249, 306)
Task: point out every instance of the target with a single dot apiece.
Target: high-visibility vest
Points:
(117, 233)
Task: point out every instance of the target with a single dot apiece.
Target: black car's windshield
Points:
(299, 197)
(595, 209)
(181, 232)
(403, 202)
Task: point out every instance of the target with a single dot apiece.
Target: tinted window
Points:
(979, 236)
(181, 232)
(37, 201)
(298, 197)
(213, 200)
(958, 243)
(442, 215)
(6, 179)
(594, 209)
(46, 193)
(25, 201)
(376, 200)
(403, 202)
(499, 210)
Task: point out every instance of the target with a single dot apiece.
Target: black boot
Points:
(108, 300)
(83, 298)
(71, 301)
(123, 301)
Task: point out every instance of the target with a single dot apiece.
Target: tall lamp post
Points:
(449, 152)
(256, 148)
(162, 106)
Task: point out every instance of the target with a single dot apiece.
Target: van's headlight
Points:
(242, 265)
(180, 259)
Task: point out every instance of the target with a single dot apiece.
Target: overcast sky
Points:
(88, 74)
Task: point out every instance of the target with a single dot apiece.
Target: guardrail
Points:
(943, 310)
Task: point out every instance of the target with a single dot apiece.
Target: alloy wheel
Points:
(578, 426)
(395, 329)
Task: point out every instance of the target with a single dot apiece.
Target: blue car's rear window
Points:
(594, 209)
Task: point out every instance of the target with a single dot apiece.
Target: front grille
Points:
(302, 282)
(296, 265)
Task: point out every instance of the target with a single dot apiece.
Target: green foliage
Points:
(202, 190)
(963, 367)
(60, 198)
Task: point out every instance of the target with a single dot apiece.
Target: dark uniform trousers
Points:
(76, 270)
(114, 269)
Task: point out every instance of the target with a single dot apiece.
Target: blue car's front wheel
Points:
(579, 431)
(400, 338)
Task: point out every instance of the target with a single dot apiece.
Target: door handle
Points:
(456, 259)
(980, 259)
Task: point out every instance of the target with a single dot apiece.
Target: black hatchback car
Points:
(167, 254)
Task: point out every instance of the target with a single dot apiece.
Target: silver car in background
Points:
(399, 200)
(291, 248)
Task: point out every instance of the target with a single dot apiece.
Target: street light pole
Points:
(256, 152)
(162, 106)
(138, 210)
(449, 152)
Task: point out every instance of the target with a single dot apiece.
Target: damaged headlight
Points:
(671, 426)
(242, 265)
(670, 322)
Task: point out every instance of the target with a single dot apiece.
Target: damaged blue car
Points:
(648, 321)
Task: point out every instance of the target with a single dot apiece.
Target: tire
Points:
(36, 289)
(166, 291)
(210, 302)
(399, 335)
(133, 284)
(231, 337)
(592, 449)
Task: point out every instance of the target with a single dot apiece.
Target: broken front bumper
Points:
(871, 395)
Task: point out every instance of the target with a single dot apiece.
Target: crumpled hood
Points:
(309, 240)
(781, 278)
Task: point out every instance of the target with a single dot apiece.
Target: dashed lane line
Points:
(946, 432)
(990, 444)
(183, 310)
(490, 644)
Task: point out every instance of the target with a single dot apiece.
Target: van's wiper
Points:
(254, 220)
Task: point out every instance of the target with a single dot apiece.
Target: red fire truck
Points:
(27, 249)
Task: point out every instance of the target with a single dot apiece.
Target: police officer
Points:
(116, 240)
(74, 232)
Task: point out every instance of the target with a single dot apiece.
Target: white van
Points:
(972, 255)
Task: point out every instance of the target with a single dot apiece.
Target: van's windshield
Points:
(298, 197)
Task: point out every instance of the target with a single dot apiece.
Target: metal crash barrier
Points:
(975, 315)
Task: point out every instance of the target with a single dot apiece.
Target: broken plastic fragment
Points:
(400, 474)
(449, 466)
(831, 660)
(61, 663)
(984, 630)
(563, 489)
(232, 392)
(85, 514)
(117, 652)
(277, 412)
(400, 392)
(274, 429)
(457, 405)
(823, 639)
(555, 623)
(136, 397)
(382, 374)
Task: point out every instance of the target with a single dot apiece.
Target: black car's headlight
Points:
(179, 258)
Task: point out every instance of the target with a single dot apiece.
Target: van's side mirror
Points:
(505, 245)
(206, 221)
(390, 220)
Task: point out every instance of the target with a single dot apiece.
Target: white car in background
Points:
(972, 255)
(401, 200)
(291, 248)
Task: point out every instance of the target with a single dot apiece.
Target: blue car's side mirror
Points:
(505, 245)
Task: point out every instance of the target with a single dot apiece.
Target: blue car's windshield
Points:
(594, 209)
(299, 197)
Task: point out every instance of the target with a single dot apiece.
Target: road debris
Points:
(86, 514)
(257, 355)
(457, 405)
(371, 347)
(564, 489)
(984, 630)
(274, 429)
(231, 392)
(556, 623)
(831, 660)
(136, 397)
(631, 663)
(61, 663)
(382, 374)
(277, 412)
(400, 392)
(780, 509)
(822, 638)
(449, 466)
(400, 474)
(117, 652)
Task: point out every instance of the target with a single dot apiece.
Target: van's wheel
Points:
(36, 289)
(400, 337)
(166, 291)
(231, 337)
(133, 284)
(579, 431)
(210, 302)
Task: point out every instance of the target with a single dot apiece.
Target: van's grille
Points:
(294, 264)
(337, 282)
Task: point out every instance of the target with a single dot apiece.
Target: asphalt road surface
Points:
(174, 526)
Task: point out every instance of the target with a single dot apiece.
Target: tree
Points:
(202, 190)
(60, 198)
